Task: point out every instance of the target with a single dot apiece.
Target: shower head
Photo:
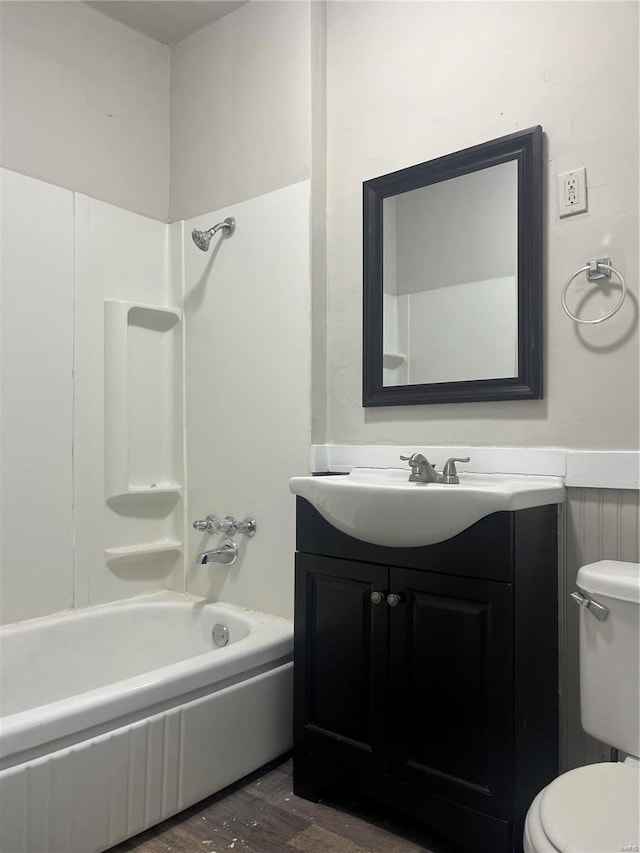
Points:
(202, 239)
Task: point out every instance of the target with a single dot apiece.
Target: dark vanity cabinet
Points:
(426, 678)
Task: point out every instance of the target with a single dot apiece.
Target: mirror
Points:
(452, 277)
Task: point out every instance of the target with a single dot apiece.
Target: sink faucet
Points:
(227, 553)
(422, 471)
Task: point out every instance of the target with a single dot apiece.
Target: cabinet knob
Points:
(394, 599)
(377, 597)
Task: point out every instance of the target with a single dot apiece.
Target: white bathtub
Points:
(116, 717)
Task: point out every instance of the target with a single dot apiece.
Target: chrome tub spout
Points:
(227, 553)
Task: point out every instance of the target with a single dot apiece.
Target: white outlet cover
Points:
(570, 204)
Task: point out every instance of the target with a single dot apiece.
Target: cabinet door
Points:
(451, 683)
(340, 660)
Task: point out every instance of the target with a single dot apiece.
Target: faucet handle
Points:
(450, 464)
(449, 472)
(416, 459)
(248, 527)
(210, 524)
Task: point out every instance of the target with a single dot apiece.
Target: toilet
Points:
(596, 809)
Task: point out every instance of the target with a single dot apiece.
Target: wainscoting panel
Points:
(601, 524)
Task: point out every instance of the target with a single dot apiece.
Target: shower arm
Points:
(228, 226)
(218, 227)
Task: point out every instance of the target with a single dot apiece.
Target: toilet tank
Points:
(610, 655)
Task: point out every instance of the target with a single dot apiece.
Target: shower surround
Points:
(143, 330)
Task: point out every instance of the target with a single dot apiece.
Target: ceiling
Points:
(167, 21)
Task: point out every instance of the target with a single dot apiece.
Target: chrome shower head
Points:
(202, 239)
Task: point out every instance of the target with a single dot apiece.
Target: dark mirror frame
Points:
(524, 146)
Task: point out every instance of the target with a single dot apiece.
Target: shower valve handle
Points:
(228, 525)
(247, 527)
(210, 524)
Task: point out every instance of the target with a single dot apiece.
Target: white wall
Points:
(247, 308)
(318, 95)
(56, 519)
(36, 414)
(240, 107)
(398, 93)
(85, 104)
(241, 145)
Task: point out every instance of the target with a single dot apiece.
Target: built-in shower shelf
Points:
(142, 355)
(145, 308)
(160, 489)
(127, 552)
(391, 360)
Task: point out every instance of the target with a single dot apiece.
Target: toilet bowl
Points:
(593, 809)
(596, 809)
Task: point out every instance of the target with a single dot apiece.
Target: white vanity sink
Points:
(381, 506)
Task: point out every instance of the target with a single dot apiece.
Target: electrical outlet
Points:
(572, 192)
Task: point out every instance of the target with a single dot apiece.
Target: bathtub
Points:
(117, 717)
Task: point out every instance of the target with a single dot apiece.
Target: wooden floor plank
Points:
(276, 788)
(262, 815)
(316, 839)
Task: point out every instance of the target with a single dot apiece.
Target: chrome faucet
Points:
(227, 553)
(422, 471)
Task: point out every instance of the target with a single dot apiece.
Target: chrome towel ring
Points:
(596, 270)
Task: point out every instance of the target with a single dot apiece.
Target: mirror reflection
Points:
(449, 279)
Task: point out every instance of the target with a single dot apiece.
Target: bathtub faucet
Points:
(227, 553)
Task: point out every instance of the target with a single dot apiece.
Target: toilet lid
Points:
(593, 809)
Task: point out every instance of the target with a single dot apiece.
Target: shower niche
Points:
(142, 367)
(142, 350)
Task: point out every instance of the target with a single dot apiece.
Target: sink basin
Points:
(381, 506)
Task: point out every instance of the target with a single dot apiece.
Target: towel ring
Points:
(593, 274)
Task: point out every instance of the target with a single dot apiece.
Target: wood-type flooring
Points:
(260, 814)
